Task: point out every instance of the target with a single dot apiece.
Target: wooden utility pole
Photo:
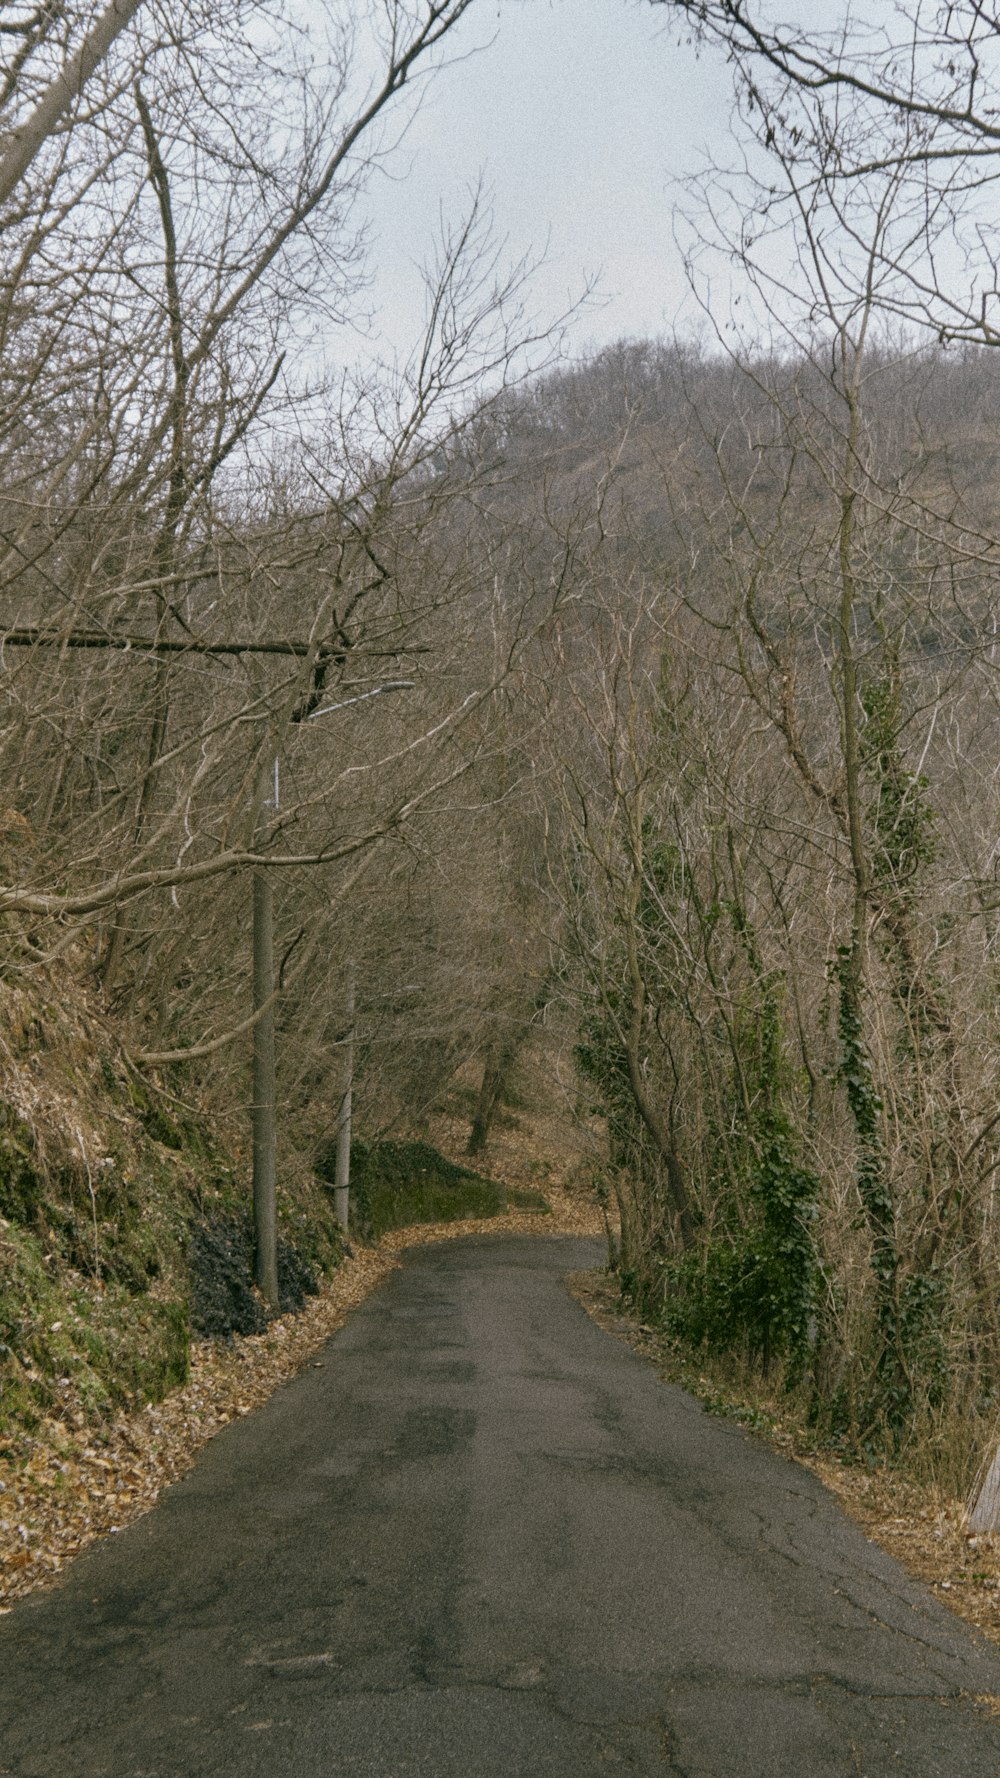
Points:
(265, 1215)
(263, 1109)
(341, 1191)
(264, 1169)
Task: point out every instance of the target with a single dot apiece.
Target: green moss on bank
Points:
(394, 1184)
(72, 1346)
(102, 1251)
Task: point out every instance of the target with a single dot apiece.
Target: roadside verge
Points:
(78, 1486)
(924, 1530)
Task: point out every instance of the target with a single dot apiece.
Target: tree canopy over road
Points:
(690, 761)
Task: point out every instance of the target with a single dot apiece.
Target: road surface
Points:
(482, 1540)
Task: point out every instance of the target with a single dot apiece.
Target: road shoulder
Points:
(923, 1529)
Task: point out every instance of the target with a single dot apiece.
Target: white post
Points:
(341, 1192)
(984, 1512)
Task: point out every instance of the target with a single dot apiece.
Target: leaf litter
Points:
(72, 1483)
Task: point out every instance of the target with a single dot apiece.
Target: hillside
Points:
(123, 1217)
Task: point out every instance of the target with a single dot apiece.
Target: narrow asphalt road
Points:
(484, 1541)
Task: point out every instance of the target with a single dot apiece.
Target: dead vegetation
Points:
(108, 1182)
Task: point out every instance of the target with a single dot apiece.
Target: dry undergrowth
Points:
(78, 1485)
(925, 1531)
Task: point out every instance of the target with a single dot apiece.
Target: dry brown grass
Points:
(543, 1147)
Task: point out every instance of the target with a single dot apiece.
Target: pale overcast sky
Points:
(579, 114)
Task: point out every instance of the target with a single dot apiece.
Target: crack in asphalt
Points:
(484, 1541)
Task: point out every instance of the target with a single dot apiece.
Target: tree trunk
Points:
(60, 93)
(496, 1071)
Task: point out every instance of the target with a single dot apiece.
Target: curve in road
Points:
(480, 1539)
